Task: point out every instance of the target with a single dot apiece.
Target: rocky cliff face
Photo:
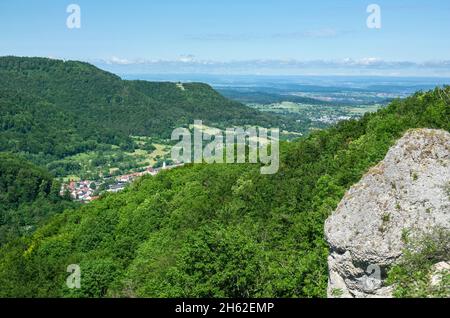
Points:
(407, 193)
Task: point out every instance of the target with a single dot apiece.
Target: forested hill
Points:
(29, 195)
(216, 230)
(59, 108)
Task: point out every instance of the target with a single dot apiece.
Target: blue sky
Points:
(274, 36)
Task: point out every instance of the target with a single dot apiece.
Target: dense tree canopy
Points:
(28, 196)
(52, 109)
(216, 230)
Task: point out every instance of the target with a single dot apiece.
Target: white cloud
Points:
(187, 58)
(120, 61)
(190, 64)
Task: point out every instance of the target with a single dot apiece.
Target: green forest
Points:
(196, 231)
(29, 195)
(51, 110)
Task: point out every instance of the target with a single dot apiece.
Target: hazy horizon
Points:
(235, 38)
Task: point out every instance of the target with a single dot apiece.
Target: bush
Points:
(411, 277)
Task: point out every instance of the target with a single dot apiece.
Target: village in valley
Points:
(86, 191)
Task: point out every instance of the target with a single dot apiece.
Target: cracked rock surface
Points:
(408, 192)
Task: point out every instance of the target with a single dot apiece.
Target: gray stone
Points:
(438, 271)
(408, 192)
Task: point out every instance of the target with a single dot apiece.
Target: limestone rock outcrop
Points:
(408, 192)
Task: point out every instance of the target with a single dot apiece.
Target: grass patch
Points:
(411, 276)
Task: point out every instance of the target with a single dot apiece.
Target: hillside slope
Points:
(216, 230)
(51, 109)
(28, 197)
